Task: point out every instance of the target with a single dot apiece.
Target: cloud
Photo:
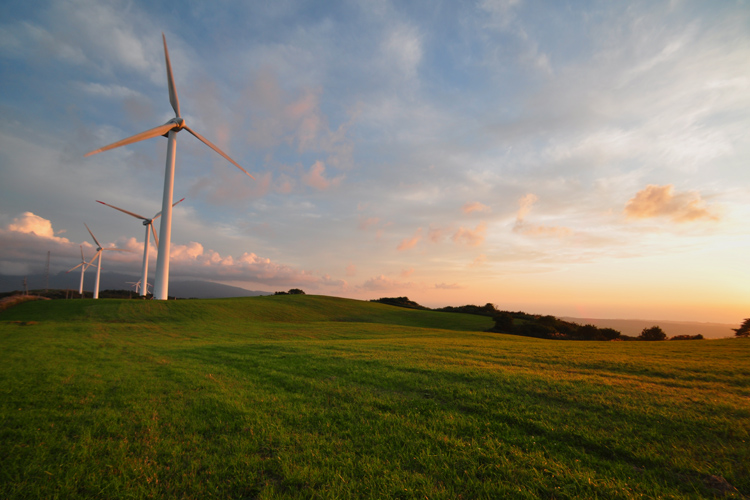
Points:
(26, 241)
(326, 280)
(448, 286)
(408, 243)
(30, 223)
(351, 270)
(471, 237)
(316, 177)
(522, 227)
(405, 273)
(383, 283)
(195, 261)
(228, 185)
(366, 222)
(475, 207)
(435, 234)
(525, 205)
(480, 261)
(534, 230)
(275, 117)
(402, 49)
(110, 91)
(662, 201)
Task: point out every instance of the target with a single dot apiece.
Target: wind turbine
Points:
(169, 129)
(99, 251)
(149, 223)
(83, 265)
(137, 286)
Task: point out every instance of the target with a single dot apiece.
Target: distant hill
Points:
(634, 327)
(115, 281)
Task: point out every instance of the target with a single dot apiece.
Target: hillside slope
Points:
(250, 311)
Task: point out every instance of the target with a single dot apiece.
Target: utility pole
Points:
(46, 274)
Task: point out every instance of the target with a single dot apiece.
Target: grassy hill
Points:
(301, 396)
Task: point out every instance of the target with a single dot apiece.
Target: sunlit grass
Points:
(304, 397)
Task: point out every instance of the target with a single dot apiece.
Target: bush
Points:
(653, 333)
(503, 322)
(399, 302)
(610, 333)
(589, 332)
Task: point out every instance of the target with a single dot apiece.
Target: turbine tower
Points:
(99, 251)
(149, 223)
(169, 129)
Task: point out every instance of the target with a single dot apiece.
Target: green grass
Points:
(319, 397)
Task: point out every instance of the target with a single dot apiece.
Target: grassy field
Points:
(319, 397)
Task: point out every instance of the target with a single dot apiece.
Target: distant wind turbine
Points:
(149, 223)
(169, 129)
(137, 286)
(83, 265)
(99, 251)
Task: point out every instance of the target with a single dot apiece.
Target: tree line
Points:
(550, 327)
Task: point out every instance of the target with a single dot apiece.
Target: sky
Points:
(586, 159)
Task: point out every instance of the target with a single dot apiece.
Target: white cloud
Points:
(30, 223)
(658, 201)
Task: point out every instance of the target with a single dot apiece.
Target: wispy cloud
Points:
(523, 227)
(471, 237)
(382, 283)
(411, 242)
(315, 177)
(475, 206)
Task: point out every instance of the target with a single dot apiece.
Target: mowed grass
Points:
(320, 397)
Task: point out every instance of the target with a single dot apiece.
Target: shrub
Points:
(653, 333)
(503, 322)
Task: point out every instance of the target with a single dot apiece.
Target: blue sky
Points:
(568, 158)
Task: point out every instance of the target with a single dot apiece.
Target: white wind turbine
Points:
(169, 129)
(149, 223)
(83, 265)
(99, 251)
(137, 286)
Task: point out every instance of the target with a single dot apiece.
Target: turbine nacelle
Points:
(179, 125)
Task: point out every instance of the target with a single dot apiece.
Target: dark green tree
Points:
(589, 332)
(653, 333)
(609, 333)
(503, 322)
(743, 330)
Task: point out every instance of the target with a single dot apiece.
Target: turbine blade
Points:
(82, 259)
(173, 100)
(156, 238)
(123, 210)
(215, 148)
(159, 213)
(79, 265)
(95, 240)
(148, 134)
